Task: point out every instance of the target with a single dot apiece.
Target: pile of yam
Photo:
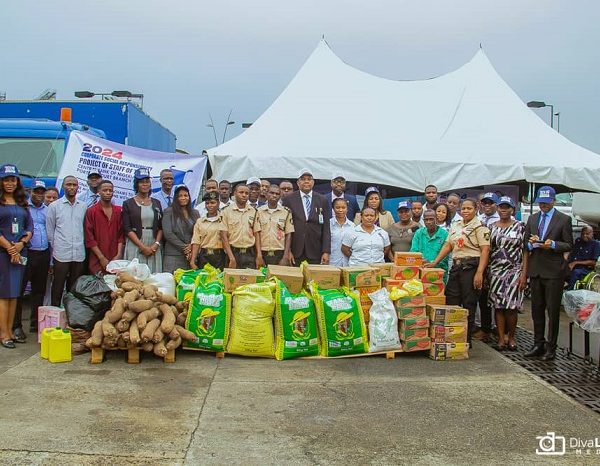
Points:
(141, 317)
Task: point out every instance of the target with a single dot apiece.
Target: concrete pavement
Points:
(201, 410)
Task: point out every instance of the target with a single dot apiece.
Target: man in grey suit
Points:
(548, 236)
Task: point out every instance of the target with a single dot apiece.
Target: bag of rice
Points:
(208, 317)
(296, 333)
(341, 322)
(383, 323)
(252, 321)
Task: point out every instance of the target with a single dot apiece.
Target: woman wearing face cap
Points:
(16, 227)
(384, 218)
(207, 247)
(142, 223)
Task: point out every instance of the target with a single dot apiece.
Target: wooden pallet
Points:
(133, 355)
(218, 354)
(388, 355)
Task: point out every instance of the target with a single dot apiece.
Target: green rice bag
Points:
(208, 317)
(186, 282)
(341, 322)
(296, 333)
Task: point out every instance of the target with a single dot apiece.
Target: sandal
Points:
(8, 344)
(512, 347)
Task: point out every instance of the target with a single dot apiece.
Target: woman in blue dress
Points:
(16, 227)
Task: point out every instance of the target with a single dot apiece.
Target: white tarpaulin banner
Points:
(117, 163)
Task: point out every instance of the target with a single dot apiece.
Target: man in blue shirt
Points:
(584, 255)
(165, 195)
(38, 261)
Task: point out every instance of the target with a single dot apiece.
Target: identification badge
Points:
(15, 227)
(512, 235)
(279, 234)
(320, 216)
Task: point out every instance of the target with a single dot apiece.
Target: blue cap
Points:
(38, 184)
(404, 205)
(507, 200)
(545, 194)
(141, 173)
(490, 197)
(8, 169)
(370, 190)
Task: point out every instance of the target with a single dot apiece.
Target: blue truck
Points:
(33, 138)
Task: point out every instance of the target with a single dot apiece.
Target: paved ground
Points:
(200, 410)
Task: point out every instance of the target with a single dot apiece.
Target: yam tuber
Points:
(149, 330)
(149, 291)
(140, 305)
(160, 349)
(97, 334)
(134, 333)
(174, 344)
(181, 318)
(127, 277)
(182, 305)
(186, 334)
(147, 347)
(109, 330)
(129, 315)
(89, 344)
(144, 317)
(168, 321)
(116, 311)
(131, 296)
(174, 335)
(166, 298)
(158, 336)
(126, 337)
(122, 325)
(130, 286)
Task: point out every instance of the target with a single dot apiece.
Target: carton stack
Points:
(448, 332)
(363, 280)
(413, 323)
(433, 285)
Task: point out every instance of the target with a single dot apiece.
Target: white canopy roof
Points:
(465, 128)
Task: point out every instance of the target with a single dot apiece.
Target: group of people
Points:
(488, 256)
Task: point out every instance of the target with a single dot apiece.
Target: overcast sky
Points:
(191, 58)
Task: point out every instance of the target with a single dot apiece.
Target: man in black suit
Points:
(311, 240)
(338, 188)
(548, 236)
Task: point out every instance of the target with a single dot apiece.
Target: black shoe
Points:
(19, 335)
(549, 356)
(8, 344)
(33, 330)
(537, 350)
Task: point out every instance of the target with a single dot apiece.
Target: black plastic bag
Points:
(79, 314)
(93, 292)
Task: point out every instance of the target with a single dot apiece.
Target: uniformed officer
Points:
(207, 247)
(238, 229)
(469, 242)
(275, 230)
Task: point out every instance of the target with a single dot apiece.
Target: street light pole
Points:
(229, 122)
(557, 115)
(212, 125)
(538, 104)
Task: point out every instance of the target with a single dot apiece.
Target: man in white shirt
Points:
(90, 196)
(165, 195)
(453, 203)
(211, 186)
(224, 193)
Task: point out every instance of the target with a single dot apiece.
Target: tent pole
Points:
(531, 197)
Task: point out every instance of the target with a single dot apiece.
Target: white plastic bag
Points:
(580, 305)
(138, 271)
(383, 323)
(110, 281)
(116, 266)
(165, 282)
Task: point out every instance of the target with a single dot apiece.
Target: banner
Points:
(117, 163)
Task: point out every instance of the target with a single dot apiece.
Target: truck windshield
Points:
(33, 157)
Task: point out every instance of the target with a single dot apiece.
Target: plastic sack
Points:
(208, 317)
(117, 266)
(398, 293)
(164, 281)
(110, 281)
(79, 314)
(252, 321)
(138, 271)
(296, 333)
(413, 287)
(93, 292)
(383, 323)
(187, 280)
(592, 323)
(341, 323)
(580, 304)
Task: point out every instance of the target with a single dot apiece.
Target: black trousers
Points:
(546, 294)
(245, 257)
(64, 273)
(36, 272)
(272, 257)
(301, 259)
(485, 311)
(215, 257)
(460, 292)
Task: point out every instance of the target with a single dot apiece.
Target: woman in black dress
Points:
(16, 227)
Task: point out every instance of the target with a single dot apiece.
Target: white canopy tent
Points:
(462, 129)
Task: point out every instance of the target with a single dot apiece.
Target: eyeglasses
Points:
(287, 189)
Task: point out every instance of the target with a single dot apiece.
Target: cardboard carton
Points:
(449, 334)
(411, 312)
(385, 268)
(441, 299)
(432, 275)
(433, 289)
(448, 351)
(411, 334)
(292, 277)
(232, 278)
(365, 301)
(50, 316)
(391, 283)
(325, 276)
(414, 322)
(408, 258)
(411, 301)
(357, 277)
(418, 344)
(404, 272)
(447, 315)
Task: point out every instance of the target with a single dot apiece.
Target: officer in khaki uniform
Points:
(469, 242)
(275, 229)
(207, 247)
(238, 228)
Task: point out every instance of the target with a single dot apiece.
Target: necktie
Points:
(168, 200)
(542, 226)
(307, 205)
(94, 199)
